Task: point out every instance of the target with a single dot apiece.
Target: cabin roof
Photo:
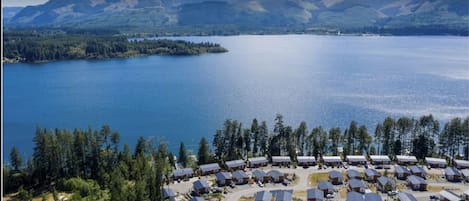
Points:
(209, 167)
(331, 159)
(416, 180)
(335, 174)
(403, 158)
(465, 172)
(200, 184)
(431, 160)
(371, 172)
(356, 158)
(354, 196)
(416, 169)
(380, 158)
(283, 195)
(450, 195)
(257, 160)
(353, 173)
(281, 159)
(306, 159)
(372, 197)
(259, 173)
(323, 185)
(274, 173)
(462, 163)
(263, 196)
(235, 163)
(314, 193)
(452, 171)
(223, 176)
(183, 172)
(384, 180)
(168, 193)
(401, 169)
(406, 197)
(355, 183)
(240, 175)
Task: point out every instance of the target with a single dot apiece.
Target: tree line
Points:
(38, 47)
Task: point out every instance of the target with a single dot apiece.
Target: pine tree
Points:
(203, 153)
(16, 159)
(182, 155)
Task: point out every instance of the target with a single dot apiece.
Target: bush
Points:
(81, 186)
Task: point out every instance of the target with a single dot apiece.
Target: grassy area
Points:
(316, 177)
(435, 188)
(343, 192)
(246, 199)
(299, 193)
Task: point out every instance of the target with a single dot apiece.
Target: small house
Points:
(406, 197)
(257, 162)
(314, 194)
(435, 162)
(385, 182)
(223, 178)
(335, 177)
(406, 160)
(461, 164)
(333, 161)
(353, 174)
(465, 174)
(401, 172)
(418, 171)
(284, 195)
(416, 183)
(356, 160)
(372, 197)
(306, 161)
(235, 165)
(447, 195)
(209, 169)
(183, 174)
(465, 194)
(326, 187)
(276, 176)
(371, 175)
(201, 187)
(240, 177)
(281, 161)
(380, 160)
(452, 174)
(263, 196)
(354, 196)
(260, 175)
(197, 199)
(356, 185)
(169, 194)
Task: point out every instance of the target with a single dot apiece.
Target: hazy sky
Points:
(22, 2)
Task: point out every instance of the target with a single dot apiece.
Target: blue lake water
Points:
(324, 80)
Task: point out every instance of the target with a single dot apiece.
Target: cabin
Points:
(416, 183)
(382, 182)
(356, 160)
(183, 174)
(235, 165)
(240, 177)
(406, 160)
(371, 175)
(257, 162)
(354, 196)
(263, 196)
(314, 194)
(260, 175)
(461, 164)
(284, 195)
(452, 174)
(406, 197)
(417, 171)
(276, 176)
(223, 178)
(380, 160)
(281, 161)
(401, 172)
(465, 194)
(201, 187)
(169, 194)
(326, 187)
(356, 185)
(197, 199)
(447, 195)
(465, 174)
(333, 161)
(435, 162)
(372, 197)
(209, 169)
(335, 177)
(306, 161)
(353, 174)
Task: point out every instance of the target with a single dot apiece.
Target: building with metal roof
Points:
(452, 174)
(417, 171)
(380, 160)
(371, 175)
(201, 186)
(406, 197)
(447, 195)
(235, 165)
(209, 168)
(263, 196)
(356, 185)
(383, 181)
(354, 196)
(185, 173)
(334, 161)
(223, 178)
(276, 176)
(372, 197)
(260, 175)
(465, 174)
(406, 160)
(281, 160)
(356, 160)
(461, 164)
(306, 160)
(326, 187)
(401, 172)
(335, 177)
(435, 162)
(314, 194)
(257, 162)
(353, 174)
(240, 177)
(283, 195)
(416, 183)
(169, 194)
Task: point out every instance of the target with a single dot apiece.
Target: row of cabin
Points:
(240, 177)
(454, 175)
(402, 172)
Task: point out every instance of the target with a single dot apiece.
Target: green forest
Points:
(32, 47)
(93, 164)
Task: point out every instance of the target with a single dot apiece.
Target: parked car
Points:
(392, 193)
(433, 197)
(260, 184)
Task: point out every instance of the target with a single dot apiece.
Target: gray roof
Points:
(209, 167)
(223, 176)
(402, 158)
(235, 163)
(431, 160)
(168, 193)
(274, 173)
(200, 184)
(240, 175)
(257, 160)
(416, 169)
(331, 159)
(400, 169)
(380, 158)
(462, 163)
(263, 196)
(196, 199)
(465, 172)
(314, 193)
(355, 183)
(335, 174)
(406, 197)
(258, 173)
(281, 159)
(384, 180)
(183, 172)
(283, 195)
(372, 197)
(371, 172)
(356, 158)
(354, 196)
(450, 195)
(323, 185)
(353, 173)
(306, 159)
(452, 171)
(416, 180)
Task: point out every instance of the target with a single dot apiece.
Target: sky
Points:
(22, 2)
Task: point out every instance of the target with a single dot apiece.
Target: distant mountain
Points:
(9, 12)
(248, 14)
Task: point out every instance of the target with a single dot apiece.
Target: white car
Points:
(260, 184)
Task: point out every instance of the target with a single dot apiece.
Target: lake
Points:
(324, 80)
